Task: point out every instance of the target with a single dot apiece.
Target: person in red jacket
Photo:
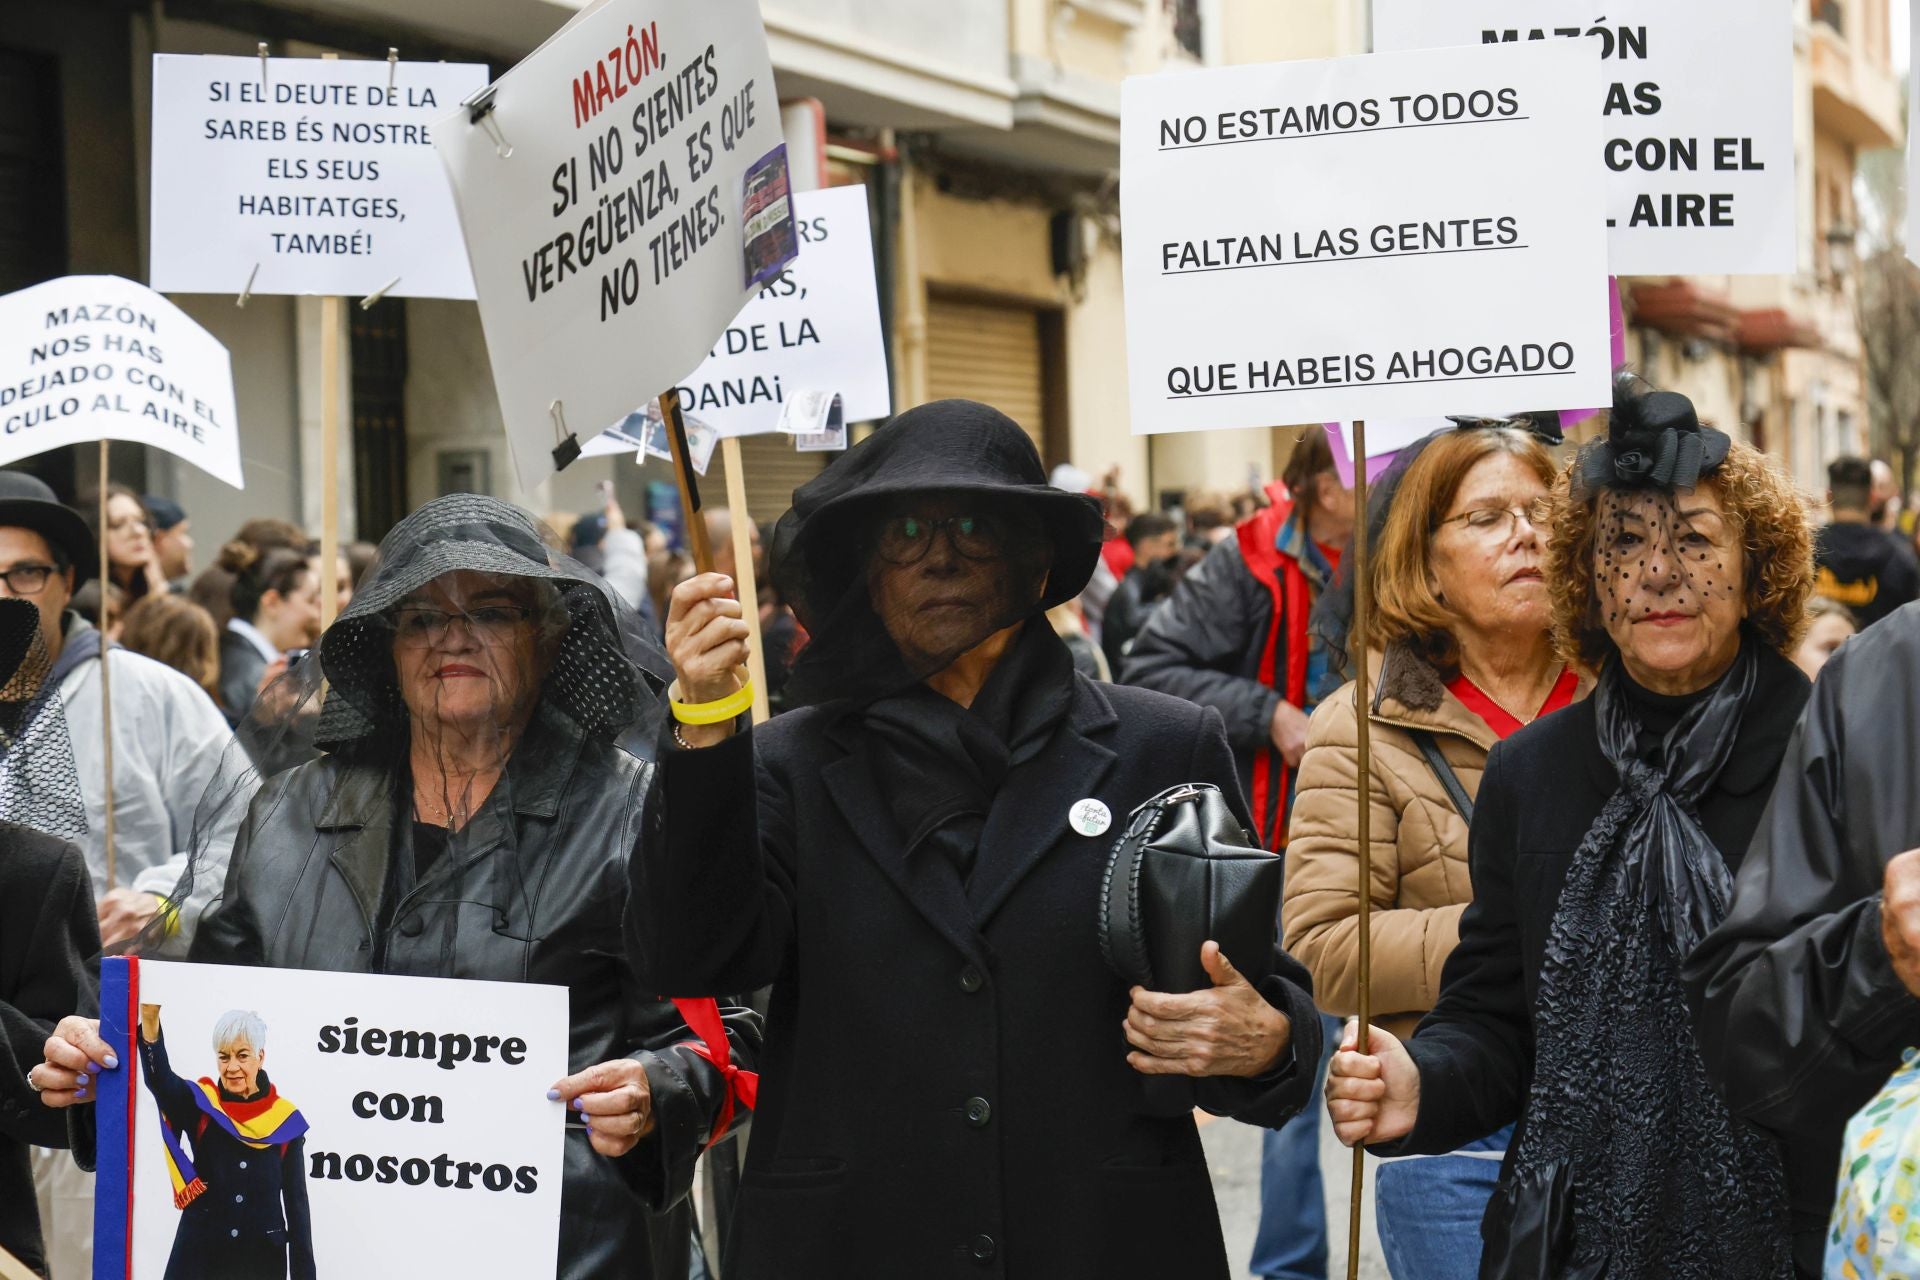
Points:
(1234, 634)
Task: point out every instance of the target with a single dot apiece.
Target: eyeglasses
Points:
(419, 627)
(905, 539)
(27, 579)
(1497, 524)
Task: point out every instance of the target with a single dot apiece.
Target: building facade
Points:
(987, 135)
(986, 132)
(1777, 360)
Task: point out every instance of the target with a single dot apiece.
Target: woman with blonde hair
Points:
(1679, 563)
(1460, 656)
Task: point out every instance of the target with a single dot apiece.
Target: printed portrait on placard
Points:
(235, 1155)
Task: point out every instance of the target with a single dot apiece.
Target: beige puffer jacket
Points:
(1420, 881)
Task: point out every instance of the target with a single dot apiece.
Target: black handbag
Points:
(1185, 872)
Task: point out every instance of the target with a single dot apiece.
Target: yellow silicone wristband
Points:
(717, 711)
(169, 917)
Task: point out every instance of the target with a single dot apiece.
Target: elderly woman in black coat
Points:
(955, 1082)
(1604, 840)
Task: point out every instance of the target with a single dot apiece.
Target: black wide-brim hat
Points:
(945, 446)
(26, 502)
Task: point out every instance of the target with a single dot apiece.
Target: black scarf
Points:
(940, 765)
(1630, 1165)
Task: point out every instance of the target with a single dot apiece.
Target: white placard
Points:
(1389, 236)
(430, 1147)
(1913, 141)
(622, 198)
(91, 357)
(304, 175)
(816, 324)
(816, 420)
(1696, 102)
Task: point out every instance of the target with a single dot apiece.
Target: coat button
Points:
(239, 1199)
(243, 1164)
(983, 1248)
(234, 1234)
(971, 979)
(979, 1111)
(413, 926)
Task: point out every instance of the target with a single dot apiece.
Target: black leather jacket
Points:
(535, 892)
(1799, 1015)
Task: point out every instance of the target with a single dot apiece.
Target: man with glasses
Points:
(167, 734)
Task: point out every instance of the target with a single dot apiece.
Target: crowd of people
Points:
(1644, 900)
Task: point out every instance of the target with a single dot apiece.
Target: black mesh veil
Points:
(39, 784)
(918, 543)
(470, 659)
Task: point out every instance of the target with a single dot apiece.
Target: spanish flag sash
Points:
(266, 1121)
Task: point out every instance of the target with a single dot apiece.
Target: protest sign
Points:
(1697, 103)
(816, 420)
(1913, 140)
(1323, 241)
(304, 175)
(395, 1126)
(815, 324)
(97, 357)
(623, 193)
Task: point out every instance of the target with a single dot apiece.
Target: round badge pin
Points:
(1090, 817)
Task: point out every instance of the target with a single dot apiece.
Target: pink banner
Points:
(1377, 463)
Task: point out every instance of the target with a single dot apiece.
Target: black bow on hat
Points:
(1654, 440)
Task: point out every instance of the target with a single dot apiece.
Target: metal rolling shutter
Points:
(774, 470)
(991, 352)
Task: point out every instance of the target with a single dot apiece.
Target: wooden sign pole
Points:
(330, 314)
(11, 1268)
(1357, 644)
(745, 576)
(696, 527)
(331, 311)
(691, 512)
(701, 547)
(106, 677)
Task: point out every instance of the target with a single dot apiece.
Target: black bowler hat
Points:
(27, 503)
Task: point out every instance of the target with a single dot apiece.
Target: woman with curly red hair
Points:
(1679, 564)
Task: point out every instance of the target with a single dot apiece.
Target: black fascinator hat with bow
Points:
(1654, 440)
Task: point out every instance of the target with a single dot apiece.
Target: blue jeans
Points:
(1291, 1243)
(1428, 1211)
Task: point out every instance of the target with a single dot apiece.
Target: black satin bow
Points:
(1654, 440)
(1674, 462)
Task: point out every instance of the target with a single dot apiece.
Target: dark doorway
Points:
(33, 205)
(378, 345)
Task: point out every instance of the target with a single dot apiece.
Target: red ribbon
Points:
(702, 1017)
